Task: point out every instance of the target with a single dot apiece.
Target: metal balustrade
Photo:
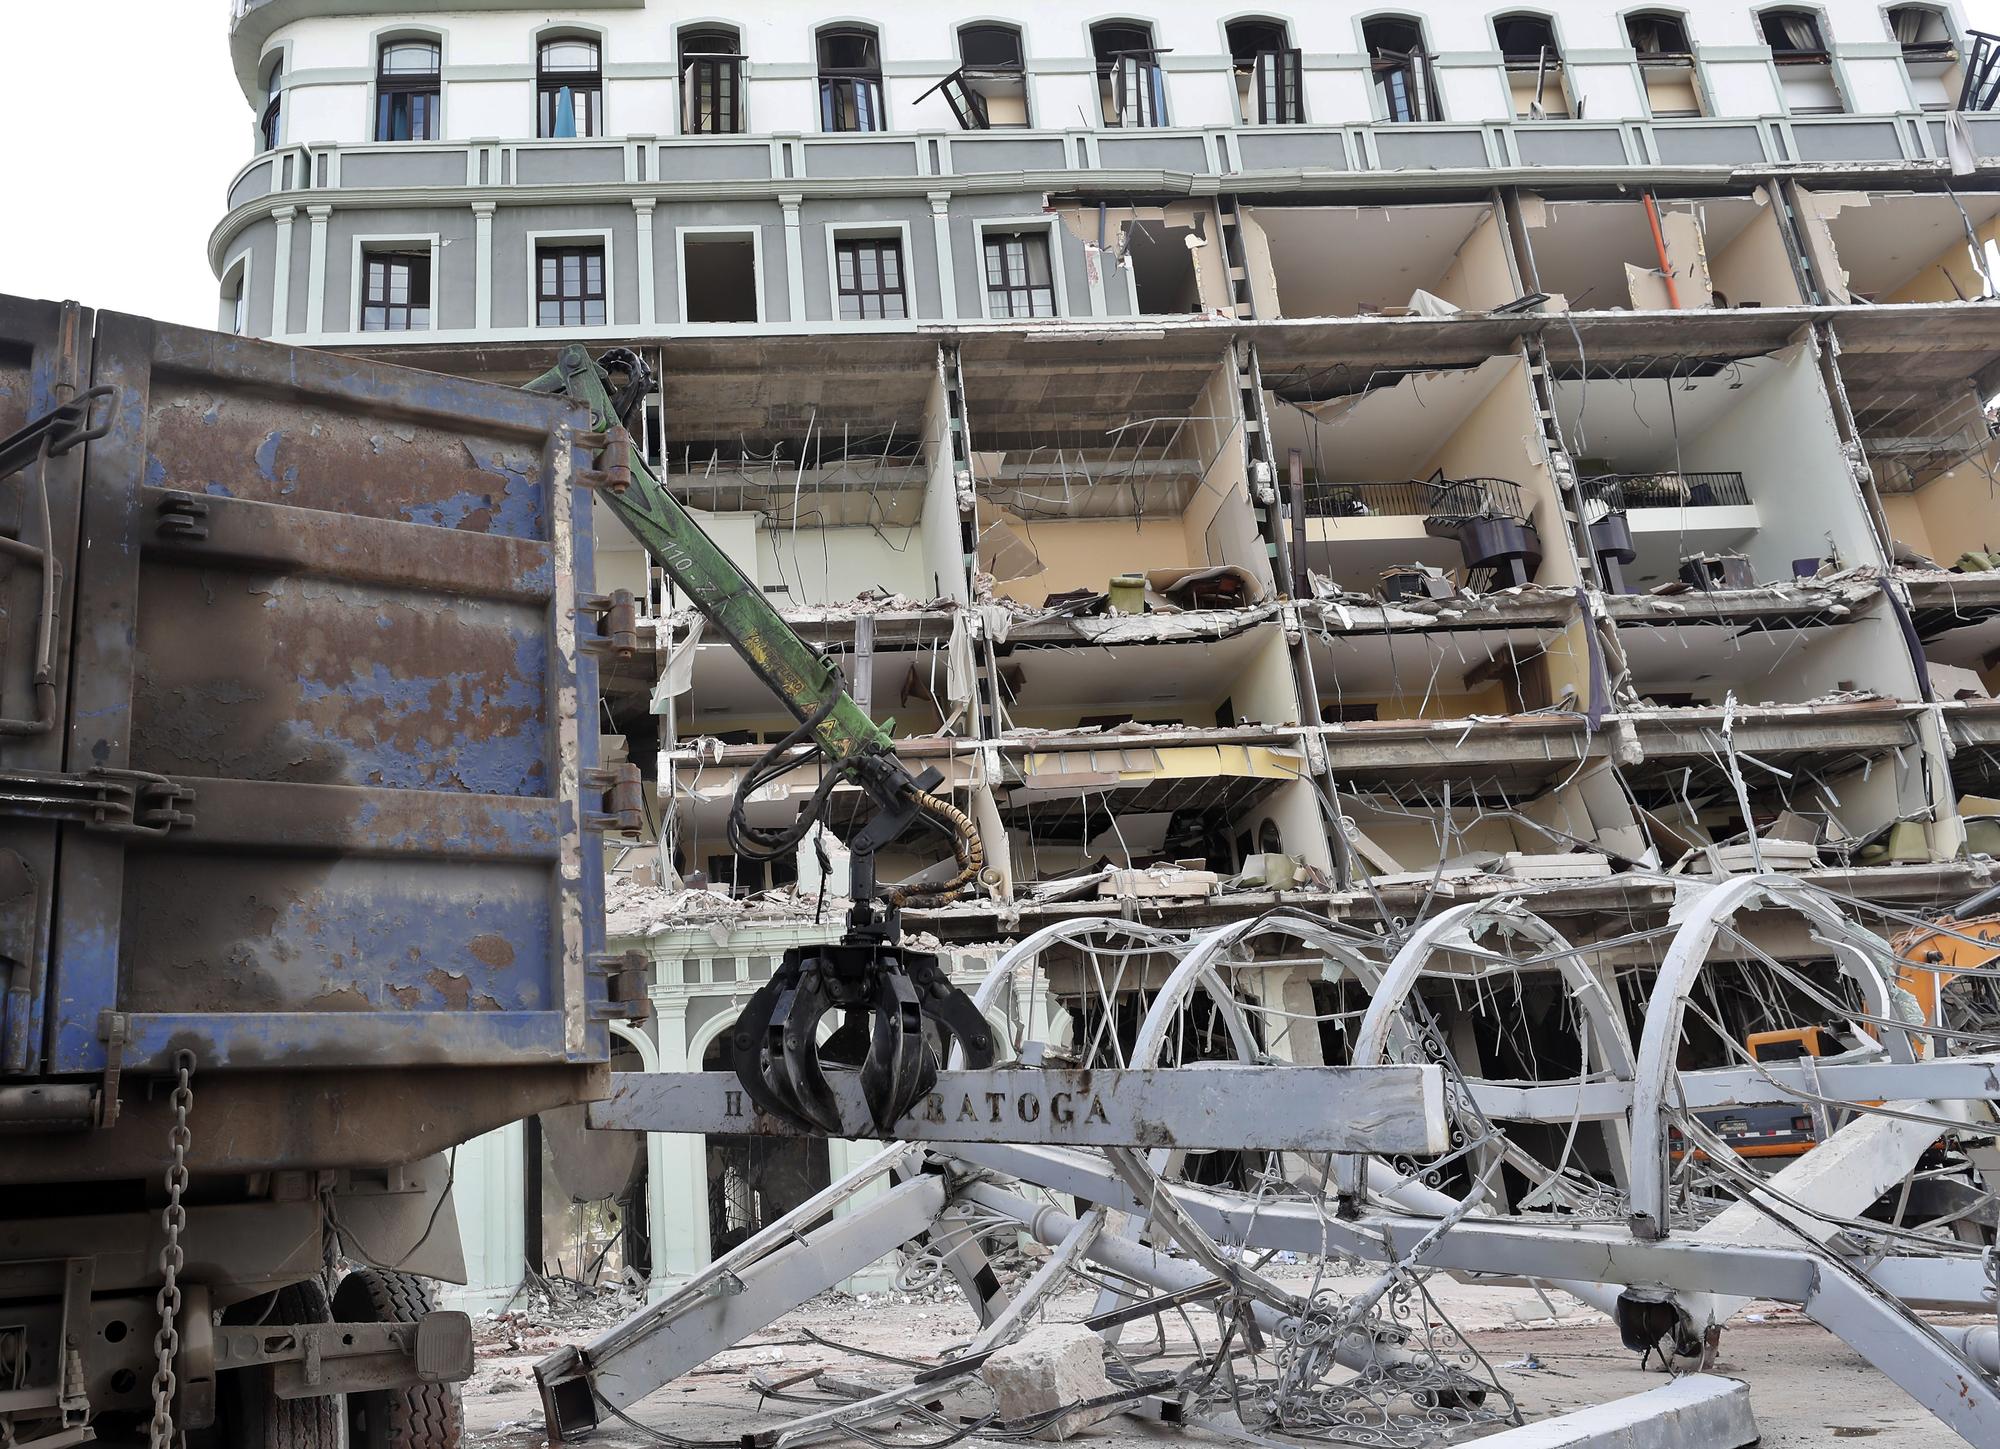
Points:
(1621, 492)
(1446, 502)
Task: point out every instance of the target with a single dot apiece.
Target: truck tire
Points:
(252, 1414)
(420, 1416)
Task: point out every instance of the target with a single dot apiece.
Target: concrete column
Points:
(642, 208)
(316, 270)
(482, 262)
(281, 271)
(659, 1189)
(486, 1192)
(682, 1250)
(947, 273)
(795, 257)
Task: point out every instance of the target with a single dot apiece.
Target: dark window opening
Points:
(1163, 275)
(721, 277)
(711, 83)
(396, 292)
(1659, 37)
(1923, 33)
(990, 87)
(1132, 88)
(237, 300)
(1019, 282)
(569, 87)
(1269, 73)
(1402, 70)
(569, 286)
(271, 124)
(869, 277)
(1792, 35)
(408, 89)
(1526, 39)
(850, 81)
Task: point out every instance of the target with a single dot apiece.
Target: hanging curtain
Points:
(566, 113)
(1907, 23)
(1799, 32)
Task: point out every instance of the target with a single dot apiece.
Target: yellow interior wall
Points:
(1500, 438)
(1569, 664)
(1479, 277)
(1083, 553)
(1755, 266)
(1930, 284)
(1906, 522)
(1412, 705)
(1960, 510)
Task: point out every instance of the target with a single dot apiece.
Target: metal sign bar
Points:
(1326, 1109)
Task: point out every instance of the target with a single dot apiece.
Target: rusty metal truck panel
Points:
(325, 655)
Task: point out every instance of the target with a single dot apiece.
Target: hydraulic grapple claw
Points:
(900, 1004)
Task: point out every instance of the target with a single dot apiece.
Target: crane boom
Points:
(901, 1009)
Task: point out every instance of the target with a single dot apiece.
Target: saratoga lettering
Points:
(994, 1109)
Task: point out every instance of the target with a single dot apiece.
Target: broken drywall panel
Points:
(1815, 211)
(1687, 256)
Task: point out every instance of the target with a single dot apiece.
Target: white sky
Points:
(129, 127)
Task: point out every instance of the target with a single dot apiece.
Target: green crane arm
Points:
(807, 683)
(895, 1000)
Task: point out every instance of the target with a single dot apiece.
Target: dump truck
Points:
(299, 803)
(300, 854)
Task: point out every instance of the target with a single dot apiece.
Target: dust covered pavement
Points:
(1806, 1386)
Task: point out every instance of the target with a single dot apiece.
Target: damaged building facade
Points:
(1325, 457)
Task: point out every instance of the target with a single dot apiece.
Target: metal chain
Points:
(167, 1342)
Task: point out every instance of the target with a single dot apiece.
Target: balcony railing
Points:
(1445, 501)
(1620, 492)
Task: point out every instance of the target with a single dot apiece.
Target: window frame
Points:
(829, 80)
(1423, 71)
(410, 84)
(567, 239)
(232, 312)
(1823, 55)
(400, 242)
(1554, 67)
(551, 84)
(968, 105)
(684, 62)
(756, 235)
(1022, 225)
(839, 234)
(1156, 112)
(1660, 57)
(1286, 59)
(271, 120)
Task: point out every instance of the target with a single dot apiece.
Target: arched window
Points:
(569, 86)
(1268, 73)
(990, 86)
(272, 124)
(711, 81)
(1131, 86)
(409, 80)
(850, 80)
(1534, 64)
(1666, 63)
(1401, 63)
(1805, 66)
(1658, 35)
(1931, 57)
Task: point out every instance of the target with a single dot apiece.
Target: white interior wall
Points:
(1782, 438)
(833, 565)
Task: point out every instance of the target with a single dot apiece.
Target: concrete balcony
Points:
(1169, 159)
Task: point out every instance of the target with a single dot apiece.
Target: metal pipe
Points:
(1660, 246)
(54, 1108)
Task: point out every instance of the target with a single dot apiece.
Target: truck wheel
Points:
(421, 1416)
(253, 1415)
